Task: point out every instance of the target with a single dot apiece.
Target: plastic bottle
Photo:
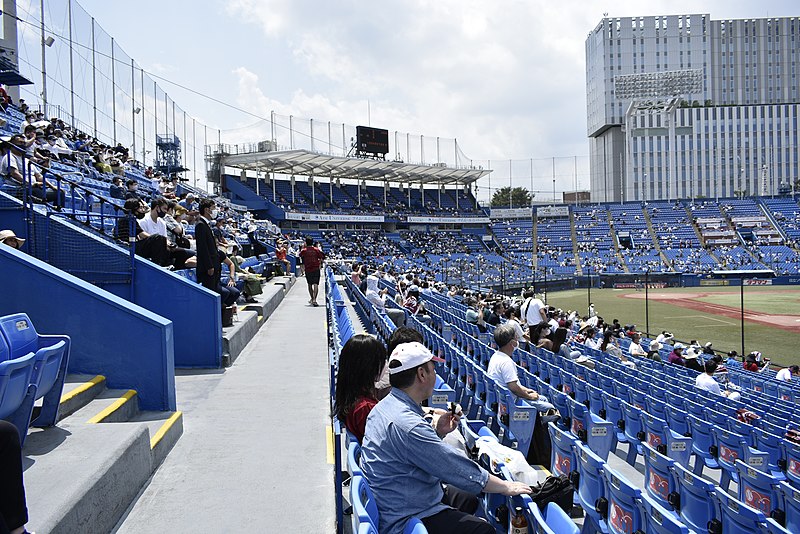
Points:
(519, 525)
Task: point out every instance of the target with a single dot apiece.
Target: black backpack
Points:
(557, 489)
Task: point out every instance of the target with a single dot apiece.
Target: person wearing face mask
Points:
(503, 370)
(133, 189)
(154, 224)
(150, 246)
(208, 270)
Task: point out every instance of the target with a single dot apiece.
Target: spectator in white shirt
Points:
(153, 223)
(705, 381)
(503, 370)
(533, 310)
(787, 373)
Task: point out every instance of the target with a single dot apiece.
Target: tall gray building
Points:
(739, 134)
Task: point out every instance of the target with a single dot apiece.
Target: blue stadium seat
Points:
(353, 457)
(551, 520)
(729, 448)
(516, 417)
(52, 358)
(613, 408)
(594, 431)
(365, 510)
(760, 491)
(693, 500)
(562, 455)
(790, 498)
(659, 481)
(659, 519)
(676, 417)
(659, 436)
(791, 451)
(596, 401)
(624, 514)
(632, 417)
(770, 444)
(591, 489)
(17, 394)
(735, 517)
(702, 440)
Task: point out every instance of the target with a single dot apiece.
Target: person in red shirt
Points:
(312, 261)
(280, 255)
(361, 364)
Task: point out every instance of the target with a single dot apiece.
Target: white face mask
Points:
(214, 214)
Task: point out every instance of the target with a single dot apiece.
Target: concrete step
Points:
(110, 406)
(78, 391)
(164, 429)
(81, 477)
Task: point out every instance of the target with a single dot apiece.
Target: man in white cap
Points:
(8, 237)
(405, 461)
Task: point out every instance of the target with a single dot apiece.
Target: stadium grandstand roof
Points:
(304, 162)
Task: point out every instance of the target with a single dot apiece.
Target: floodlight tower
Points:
(655, 94)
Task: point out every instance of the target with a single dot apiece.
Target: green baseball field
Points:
(771, 315)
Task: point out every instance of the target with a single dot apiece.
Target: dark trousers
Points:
(154, 248)
(228, 294)
(459, 519)
(208, 282)
(13, 512)
(179, 256)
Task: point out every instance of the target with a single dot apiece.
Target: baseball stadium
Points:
(314, 325)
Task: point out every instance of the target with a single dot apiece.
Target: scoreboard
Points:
(372, 140)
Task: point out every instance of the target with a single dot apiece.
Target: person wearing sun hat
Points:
(405, 461)
(676, 356)
(8, 237)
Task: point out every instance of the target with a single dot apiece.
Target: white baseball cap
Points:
(410, 355)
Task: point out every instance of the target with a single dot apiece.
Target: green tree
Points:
(506, 197)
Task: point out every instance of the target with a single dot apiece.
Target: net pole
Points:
(741, 309)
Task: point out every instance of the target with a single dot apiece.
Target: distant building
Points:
(576, 197)
(739, 136)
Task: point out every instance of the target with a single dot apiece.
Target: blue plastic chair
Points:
(551, 520)
(676, 417)
(17, 394)
(731, 447)
(693, 502)
(613, 407)
(562, 456)
(702, 440)
(624, 514)
(791, 451)
(597, 433)
(365, 510)
(790, 499)
(736, 517)
(353, 457)
(760, 491)
(659, 481)
(591, 488)
(659, 436)
(771, 444)
(632, 417)
(52, 359)
(659, 519)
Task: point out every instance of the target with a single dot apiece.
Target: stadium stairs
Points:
(654, 237)
(615, 241)
(574, 235)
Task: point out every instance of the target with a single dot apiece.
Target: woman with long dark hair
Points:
(361, 363)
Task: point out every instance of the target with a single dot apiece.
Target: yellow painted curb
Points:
(114, 407)
(164, 428)
(329, 442)
(83, 387)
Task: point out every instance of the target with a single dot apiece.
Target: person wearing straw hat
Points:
(8, 237)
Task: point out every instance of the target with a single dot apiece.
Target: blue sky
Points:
(505, 78)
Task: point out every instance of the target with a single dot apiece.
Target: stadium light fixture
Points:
(48, 42)
(137, 110)
(655, 93)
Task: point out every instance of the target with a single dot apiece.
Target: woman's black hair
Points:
(536, 332)
(559, 338)
(360, 363)
(606, 339)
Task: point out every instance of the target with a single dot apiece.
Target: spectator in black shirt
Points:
(151, 247)
(116, 190)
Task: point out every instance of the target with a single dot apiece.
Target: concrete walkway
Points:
(254, 453)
